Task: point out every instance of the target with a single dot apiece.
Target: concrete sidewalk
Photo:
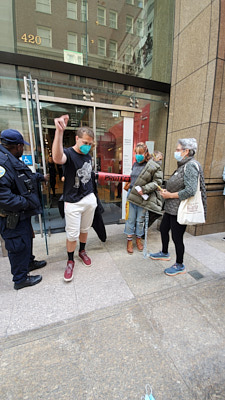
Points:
(118, 325)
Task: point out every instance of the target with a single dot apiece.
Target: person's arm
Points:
(156, 180)
(169, 195)
(58, 155)
(41, 178)
(8, 200)
(190, 184)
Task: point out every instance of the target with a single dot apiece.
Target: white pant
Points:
(79, 216)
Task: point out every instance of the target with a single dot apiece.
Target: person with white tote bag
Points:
(185, 203)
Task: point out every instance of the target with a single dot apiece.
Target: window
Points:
(100, 84)
(113, 49)
(150, 9)
(101, 16)
(84, 44)
(141, 3)
(72, 9)
(44, 92)
(72, 78)
(45, 74)
(130, 2)
(72, 41)
(76, 96)
(139, 25)
(83, 80)
(113, 17)
(110, 85)
(43, 6)
(46, 36)
(128, 54)
(101, 47)
(84, 10)
(129, 24)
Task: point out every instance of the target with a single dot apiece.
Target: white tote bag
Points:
(191, 211)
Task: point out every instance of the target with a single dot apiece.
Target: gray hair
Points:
(85, 129)
(190, 144)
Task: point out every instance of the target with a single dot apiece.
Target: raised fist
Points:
(61, 123)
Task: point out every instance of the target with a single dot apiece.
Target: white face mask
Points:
(178, 156)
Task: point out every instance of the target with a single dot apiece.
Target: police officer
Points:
(19, 200)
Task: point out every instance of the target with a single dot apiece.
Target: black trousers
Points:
(169, 222)
(19, 243)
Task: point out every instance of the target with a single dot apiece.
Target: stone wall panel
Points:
(194, 45)
(214, 29)
(190, 9)
(198, 110)
(217, 90)
(209, 88)
(189, 100)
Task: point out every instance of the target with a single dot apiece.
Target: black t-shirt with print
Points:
(77, 173)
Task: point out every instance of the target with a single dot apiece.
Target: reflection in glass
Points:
(149, 125)
(109, 135)
(138, 35)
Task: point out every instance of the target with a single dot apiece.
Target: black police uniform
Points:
(19, 200)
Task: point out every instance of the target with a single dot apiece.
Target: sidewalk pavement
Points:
(118, 326)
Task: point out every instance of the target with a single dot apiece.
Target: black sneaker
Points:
(37, 264)
(29, 281)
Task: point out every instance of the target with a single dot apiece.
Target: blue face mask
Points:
(139, 157)
(85, 148)
(178, 156)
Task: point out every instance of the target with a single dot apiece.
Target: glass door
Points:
(79, 116)
(107, 122)
(109, 154)
(109, 141)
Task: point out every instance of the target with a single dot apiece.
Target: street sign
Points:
(27, 159)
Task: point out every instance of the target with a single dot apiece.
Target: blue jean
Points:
(135, 222)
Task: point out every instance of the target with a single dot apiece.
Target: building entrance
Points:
(108, 122)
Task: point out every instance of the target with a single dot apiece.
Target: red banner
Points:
(109, 177)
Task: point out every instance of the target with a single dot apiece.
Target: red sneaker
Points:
(85, 259)
(68, 274)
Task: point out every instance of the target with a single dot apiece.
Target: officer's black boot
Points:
(29, 281)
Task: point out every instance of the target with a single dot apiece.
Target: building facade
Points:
(197, 98)
(109, 64)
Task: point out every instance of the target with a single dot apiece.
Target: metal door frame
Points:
(126, 111)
